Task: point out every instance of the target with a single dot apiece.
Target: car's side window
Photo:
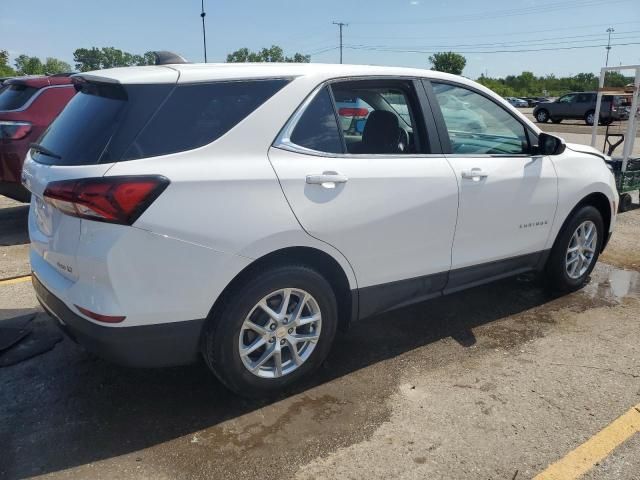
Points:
(567, 98)
(317, 128)
(477, 125)
(585, 98)
(377, 117)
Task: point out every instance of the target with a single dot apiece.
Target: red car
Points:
(27, 106)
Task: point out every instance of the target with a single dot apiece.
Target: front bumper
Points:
(159, 345)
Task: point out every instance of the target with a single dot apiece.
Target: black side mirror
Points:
(549, 145)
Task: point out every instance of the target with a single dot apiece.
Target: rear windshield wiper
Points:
(44, 150)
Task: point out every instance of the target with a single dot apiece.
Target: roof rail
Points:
(163, 57)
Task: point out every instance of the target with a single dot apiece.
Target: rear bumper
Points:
(160, 345)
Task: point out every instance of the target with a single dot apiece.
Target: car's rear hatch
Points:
(85, 141)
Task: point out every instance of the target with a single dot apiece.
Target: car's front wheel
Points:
(271, 331)
(542, 116)
(576, 250)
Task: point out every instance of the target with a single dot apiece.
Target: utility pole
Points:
(610, 30)
(340, 25)
(204, 33)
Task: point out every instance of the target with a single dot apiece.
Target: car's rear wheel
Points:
(576, 250)
(589, 117)
(271, 331)
(542, 116)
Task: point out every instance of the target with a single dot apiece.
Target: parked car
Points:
(533, 101)
(580, 105)
(220, 211)
(27, 106)
(517, 102)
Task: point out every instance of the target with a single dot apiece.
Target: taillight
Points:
(11, 130)
(99, 317)
(106, 199)
(353, 112)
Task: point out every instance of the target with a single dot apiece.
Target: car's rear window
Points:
(15, 96)
(107, 123)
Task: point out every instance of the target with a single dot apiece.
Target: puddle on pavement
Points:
(608, 287)
(613, 284)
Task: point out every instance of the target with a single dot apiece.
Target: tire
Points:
(558, 267)
(589, 117)
(556, 120)
(542, 116)
(625, 203)
(222, 336)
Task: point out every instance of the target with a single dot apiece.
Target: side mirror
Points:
(549, 145)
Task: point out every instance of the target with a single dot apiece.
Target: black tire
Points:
(555, 271)
(221, 348)
(625, 203)
(542, 116)
(589, 117)
(556, 120)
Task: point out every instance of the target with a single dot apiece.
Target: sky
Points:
(380, 32)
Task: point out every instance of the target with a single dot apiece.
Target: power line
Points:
(340, 25)
(524, 43)
(393, 50)
(545, 8)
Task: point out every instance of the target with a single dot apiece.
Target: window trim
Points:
(283, 139)
(35, 96)
(444, 132)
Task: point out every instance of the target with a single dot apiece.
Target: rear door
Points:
(377, 189)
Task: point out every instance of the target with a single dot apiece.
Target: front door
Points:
(508, 197)
(356, 168)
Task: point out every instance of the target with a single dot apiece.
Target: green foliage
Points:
(109, 57)
(273, 54)
(528, 85)
(5, 68)
(26, 65)
(448, 62)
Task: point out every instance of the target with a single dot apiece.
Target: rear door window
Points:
(317, 128)
(15, 96)
(378, 117)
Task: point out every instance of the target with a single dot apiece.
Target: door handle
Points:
(475, 174)
(326, 179)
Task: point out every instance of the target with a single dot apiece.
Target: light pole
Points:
(610, 30)
(204, 33)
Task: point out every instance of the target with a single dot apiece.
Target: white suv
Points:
(226, 210)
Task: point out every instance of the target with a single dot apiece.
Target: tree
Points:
(109, 57)
(5, 68)
(26, 65)
(54, 65)
(449, 62)
(273, 54)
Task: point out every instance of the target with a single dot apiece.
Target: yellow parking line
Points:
(582, 459)
(14, 280)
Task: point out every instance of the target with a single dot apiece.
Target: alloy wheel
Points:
(280, 333)
(581, 250)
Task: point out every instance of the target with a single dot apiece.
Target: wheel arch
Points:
(599, 201)
(315, 258)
